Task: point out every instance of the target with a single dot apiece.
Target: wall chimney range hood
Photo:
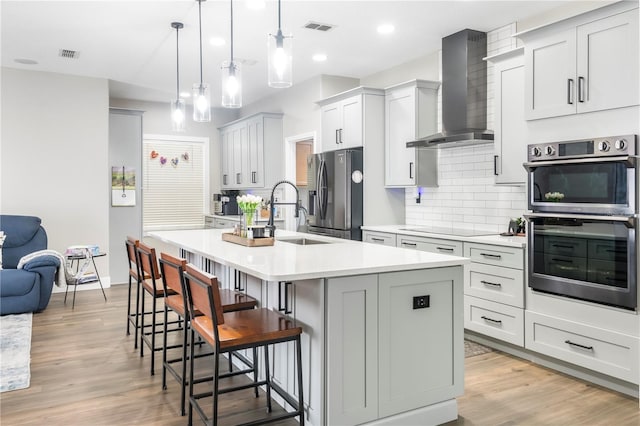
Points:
(464, 93)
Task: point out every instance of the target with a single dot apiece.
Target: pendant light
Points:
(231, 78)
(279, 49)
(178, 107)
(201, 92)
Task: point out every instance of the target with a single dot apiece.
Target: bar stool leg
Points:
(192, 338)
(129, 309)
(135, 344)
(267, 378)
(216, 387)
(255, 370)
(153, 336)
(184, 367)
(142, 323)
(164, 348)
(300, 398)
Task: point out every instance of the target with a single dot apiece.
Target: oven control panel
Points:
(585, 148)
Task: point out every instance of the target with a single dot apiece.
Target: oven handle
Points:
(630, 221)
(628, 160)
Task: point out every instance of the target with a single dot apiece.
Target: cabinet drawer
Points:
(209, 222)
(432, 245)
(225, 223)
(379, 238)
(495, 320)
(503, 285)
(495, 255)
(604, 351)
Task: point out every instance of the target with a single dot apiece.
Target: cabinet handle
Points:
(224, 179)
(491, 256)
(238, 178)
(337, 140)
(569, 342)
(565, 246)
(580, 89)
(283, 305)
(570, 91)
(237, 280)
(495, 321)
(379, 240)
(340, 135)
(254, 177)
(404, 243)
(495, 165)
(491, 284)
(411, 170)
(447, 249)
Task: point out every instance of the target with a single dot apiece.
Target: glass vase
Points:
(246, 222)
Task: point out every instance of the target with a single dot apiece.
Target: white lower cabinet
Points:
(433, 245)
(605, 351)
(386, 357)
(302, 301)
(383, 238)
(495, 320)
(352, 350)
(494, 292)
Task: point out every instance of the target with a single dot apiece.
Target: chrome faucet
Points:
(272, 206)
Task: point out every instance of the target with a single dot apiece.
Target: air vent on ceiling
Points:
(318, 26)
(69, 54)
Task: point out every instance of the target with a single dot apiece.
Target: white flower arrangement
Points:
(554, 196)
(248, 204)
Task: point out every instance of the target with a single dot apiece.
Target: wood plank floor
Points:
(85, 371)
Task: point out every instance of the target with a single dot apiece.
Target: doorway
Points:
(297, 149)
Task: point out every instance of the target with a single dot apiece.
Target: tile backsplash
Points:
(467, 196)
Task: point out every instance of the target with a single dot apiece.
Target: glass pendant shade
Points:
(201, 102)
(178, 115)
(280, 57)
(231, 85)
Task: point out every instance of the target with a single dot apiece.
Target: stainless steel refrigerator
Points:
(335, 193)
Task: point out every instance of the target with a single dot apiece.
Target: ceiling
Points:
(132, 44)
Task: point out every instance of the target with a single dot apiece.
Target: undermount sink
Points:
(302, 241)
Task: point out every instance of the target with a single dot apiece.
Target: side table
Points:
(86, 259)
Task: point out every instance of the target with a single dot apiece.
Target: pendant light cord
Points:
(200, 26)
(231, 62)
(279, 17)
(177, 65)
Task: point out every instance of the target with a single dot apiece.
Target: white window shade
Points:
(174, 186)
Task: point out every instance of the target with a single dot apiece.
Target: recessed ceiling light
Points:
(256, 4)
(386, 29)
(217, 41)
(185, 94)
(25, 61)
(319, 57)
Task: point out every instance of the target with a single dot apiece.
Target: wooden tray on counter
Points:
(255, 242)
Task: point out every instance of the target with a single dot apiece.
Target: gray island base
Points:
(382, 326)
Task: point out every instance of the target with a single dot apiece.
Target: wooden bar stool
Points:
(233, 331)
(131, 244)
(172, 269)
(148, 265)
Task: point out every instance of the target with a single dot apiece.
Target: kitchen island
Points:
(382, 327)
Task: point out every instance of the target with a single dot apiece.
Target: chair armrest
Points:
(42, 261)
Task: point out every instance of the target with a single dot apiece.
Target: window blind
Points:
(173, 188)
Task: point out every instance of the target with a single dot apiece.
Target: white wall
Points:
(424, 68)
(54, 155)
(156, 120)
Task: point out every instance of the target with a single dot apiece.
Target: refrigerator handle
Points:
(319, 189)
(323, 186)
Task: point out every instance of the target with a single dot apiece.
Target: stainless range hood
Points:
(464, 93)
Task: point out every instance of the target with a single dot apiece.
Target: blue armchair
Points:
(27, 289)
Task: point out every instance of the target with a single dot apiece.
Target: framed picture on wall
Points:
(123, 186)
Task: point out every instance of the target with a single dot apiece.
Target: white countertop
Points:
(290, 262)
(513, 241)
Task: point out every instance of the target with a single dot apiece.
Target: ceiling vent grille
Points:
(318, 26)
(69, 54)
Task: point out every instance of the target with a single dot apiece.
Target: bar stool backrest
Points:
(204, 295)
(132, 244)
(171, 269)
(148, 261)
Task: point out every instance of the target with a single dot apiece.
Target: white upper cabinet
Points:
(410, 113)
(582, 64)
(343, 120)
(251, 152)
(510, 126)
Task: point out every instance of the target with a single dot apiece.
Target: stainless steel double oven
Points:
(584, 215)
